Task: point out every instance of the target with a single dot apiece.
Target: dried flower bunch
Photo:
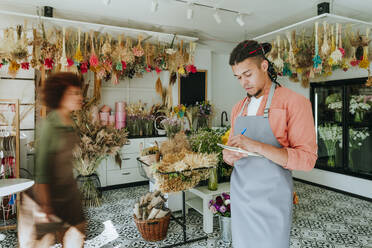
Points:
(96, 141)
(180, 168)
(76, 51)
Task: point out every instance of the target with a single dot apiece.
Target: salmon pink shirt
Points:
(291, 120)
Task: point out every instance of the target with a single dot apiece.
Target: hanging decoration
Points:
(330, 47)
(70, 49)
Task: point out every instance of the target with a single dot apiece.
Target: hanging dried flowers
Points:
(93, 60)
(127, 55)
(78, 55)
(13, 68)
(106, 48)
(365, 62)
(20, 51)
(317, 61)
(63, 61)
(138, 50)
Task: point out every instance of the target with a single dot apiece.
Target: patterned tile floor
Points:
(322, 219)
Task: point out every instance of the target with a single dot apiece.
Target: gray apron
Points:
(261, 190)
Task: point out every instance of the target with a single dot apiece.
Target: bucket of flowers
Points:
(221, 207)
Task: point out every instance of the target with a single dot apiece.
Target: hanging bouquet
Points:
(96, 141)
(221, 205)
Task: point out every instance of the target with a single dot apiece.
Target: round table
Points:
(13, 186)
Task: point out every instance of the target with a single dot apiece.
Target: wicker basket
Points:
(153, 230)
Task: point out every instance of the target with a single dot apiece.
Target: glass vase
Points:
(338, 116)
(213, 180)
(359, 116)
(331, 161)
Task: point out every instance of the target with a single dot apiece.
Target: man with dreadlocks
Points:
(277, 124)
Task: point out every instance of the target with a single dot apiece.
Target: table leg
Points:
(207, 216)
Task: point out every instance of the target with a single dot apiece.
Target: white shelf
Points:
(308, 25)
(196, 203)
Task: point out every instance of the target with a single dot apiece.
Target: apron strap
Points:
(244, 105)
(269, 99)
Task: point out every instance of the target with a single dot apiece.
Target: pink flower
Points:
(210, 203)
(1, 65)
(158, 70)
(213, 209)
(223, 209)
(148, 68)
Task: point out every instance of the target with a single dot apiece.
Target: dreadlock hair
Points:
(253, 49)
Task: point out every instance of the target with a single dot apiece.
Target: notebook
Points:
(237, 149)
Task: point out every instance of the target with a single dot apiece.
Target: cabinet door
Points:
(101, 171)
(132, 146)
(328, 105)
(359, 98)
(126, 175)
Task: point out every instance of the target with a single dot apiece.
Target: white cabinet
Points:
(111, 174)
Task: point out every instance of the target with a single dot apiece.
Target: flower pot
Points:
(225, 228)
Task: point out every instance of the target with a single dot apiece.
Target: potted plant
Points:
(221, 207)
(205, 141)
(96, 142)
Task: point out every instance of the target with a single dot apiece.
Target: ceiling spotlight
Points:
(106, 2)
(190, 10)
(217, 16)
(154, 6)
(239, 19)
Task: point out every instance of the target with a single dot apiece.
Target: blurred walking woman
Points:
(51, 211)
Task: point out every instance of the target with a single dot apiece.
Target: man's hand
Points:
(245, 143)
(230, 157)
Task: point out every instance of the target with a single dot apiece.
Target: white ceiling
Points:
(265, 15)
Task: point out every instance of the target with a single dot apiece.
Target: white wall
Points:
(133, 90)
(226, 90)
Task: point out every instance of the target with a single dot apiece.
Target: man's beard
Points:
(255, 95)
